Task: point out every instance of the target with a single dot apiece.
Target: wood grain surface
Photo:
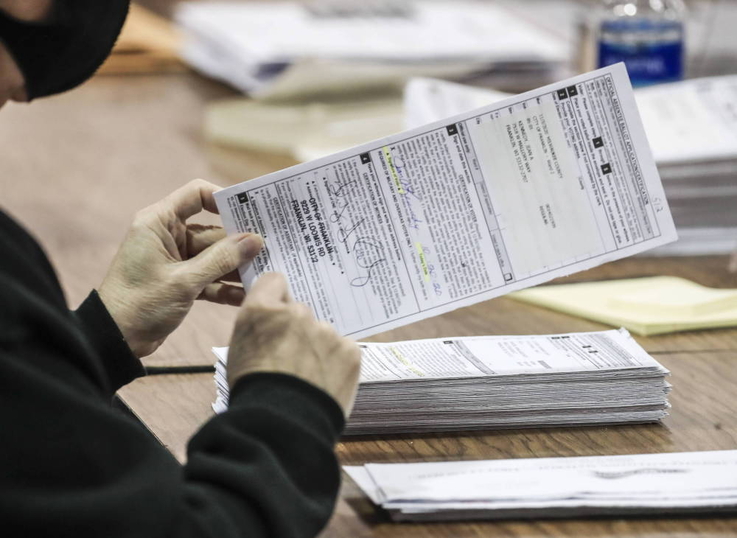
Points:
(76, 167)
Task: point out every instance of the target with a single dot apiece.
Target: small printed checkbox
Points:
(572, 91)
(452, 129)
(598, 142)
(242, 198)
(562, 94)
(365, 158)
(606, 168)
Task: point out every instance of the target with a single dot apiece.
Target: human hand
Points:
(273, 333)
(164, 264)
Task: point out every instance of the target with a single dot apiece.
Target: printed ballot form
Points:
(492, 382)
(534, 187)
(474, 356)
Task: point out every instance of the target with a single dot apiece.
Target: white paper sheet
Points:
(471, 356)
(538, 186)
(693, 121)
(293, 50)
(427, 100)
(501, 355)
(286, 31)
(655, 480)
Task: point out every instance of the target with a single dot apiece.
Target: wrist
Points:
(120, 364)
(121, 313)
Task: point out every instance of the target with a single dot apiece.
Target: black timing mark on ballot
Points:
(562, 94)
(598, 142)
(452, 129)
(572, 91)
(242, 197)
(606, 168)
(365, 158)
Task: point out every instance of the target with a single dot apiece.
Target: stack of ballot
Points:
(494, 382)
(288, 49)
(553, 487)
(692, 130)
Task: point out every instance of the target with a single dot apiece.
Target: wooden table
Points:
(74, 168)
(704, 377)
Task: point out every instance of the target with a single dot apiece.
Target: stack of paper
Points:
(692, 127)
(692, 130)
(553, 487)
(285, 49)
(493, 382)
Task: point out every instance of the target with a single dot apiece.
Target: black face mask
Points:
(63, 52)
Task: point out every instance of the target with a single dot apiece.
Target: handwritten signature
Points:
(368, 253)
(409, 193)
(341, 188)
(344, 234)
(437, 288)
(338, 215)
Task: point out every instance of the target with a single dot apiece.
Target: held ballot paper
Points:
(538, 186)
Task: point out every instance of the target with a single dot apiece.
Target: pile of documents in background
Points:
(692, 130)
(493, 382)
(288, 49)
(553, 487)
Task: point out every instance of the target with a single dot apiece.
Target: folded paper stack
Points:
(553, 487)
(494, 382)
(296, 49)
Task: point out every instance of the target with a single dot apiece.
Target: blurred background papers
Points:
(331, 75)
(691, 127)
(288, 50)
(302, 131)
(692, 130)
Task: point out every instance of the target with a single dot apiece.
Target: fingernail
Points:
(251, 245)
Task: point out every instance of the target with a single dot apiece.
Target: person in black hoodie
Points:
(70, 465)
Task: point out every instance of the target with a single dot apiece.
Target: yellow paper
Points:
(304, 131)
(646, 306)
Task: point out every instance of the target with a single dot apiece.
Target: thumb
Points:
(223, 257)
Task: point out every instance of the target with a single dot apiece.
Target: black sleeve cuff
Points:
(302, 400)
(120, 365)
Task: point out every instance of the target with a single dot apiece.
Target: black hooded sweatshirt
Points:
(71, 465)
